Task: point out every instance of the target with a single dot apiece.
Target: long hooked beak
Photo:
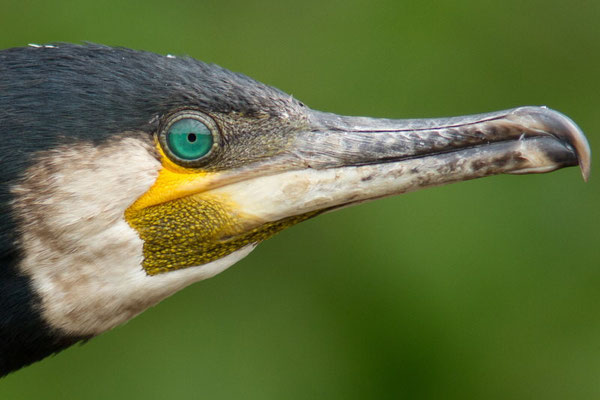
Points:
(348, 160)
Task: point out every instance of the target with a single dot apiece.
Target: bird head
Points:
(127, 176)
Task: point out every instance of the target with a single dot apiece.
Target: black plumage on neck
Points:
(25, 337)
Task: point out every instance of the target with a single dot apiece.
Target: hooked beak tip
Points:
(554, 123)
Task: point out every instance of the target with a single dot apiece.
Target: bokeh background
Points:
(487, 289)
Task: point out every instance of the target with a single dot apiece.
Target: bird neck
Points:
(24, 336)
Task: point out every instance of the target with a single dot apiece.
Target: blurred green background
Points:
(487, 289)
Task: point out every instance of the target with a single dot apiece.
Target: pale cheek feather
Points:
(98, 295)
(83, 257)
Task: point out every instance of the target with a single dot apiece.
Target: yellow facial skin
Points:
(173, 182)
(182, 225)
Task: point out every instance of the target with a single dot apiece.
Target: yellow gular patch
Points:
(176, 220)
(183, 225)
(185, 232)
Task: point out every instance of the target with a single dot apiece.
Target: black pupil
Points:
(191, 137)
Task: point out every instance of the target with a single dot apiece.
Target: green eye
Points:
(189, 139)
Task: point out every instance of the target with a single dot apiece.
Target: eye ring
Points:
(189, 138)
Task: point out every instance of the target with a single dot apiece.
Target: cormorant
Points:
(126, 176)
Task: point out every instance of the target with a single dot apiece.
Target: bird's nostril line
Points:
(191, 137)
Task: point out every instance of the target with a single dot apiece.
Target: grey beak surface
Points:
(339, 161)
(518, 141)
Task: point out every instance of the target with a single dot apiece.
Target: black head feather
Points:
(58, 94)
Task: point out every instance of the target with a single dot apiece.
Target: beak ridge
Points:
(338, 141)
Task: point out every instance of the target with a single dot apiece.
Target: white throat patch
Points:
(83, 257)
